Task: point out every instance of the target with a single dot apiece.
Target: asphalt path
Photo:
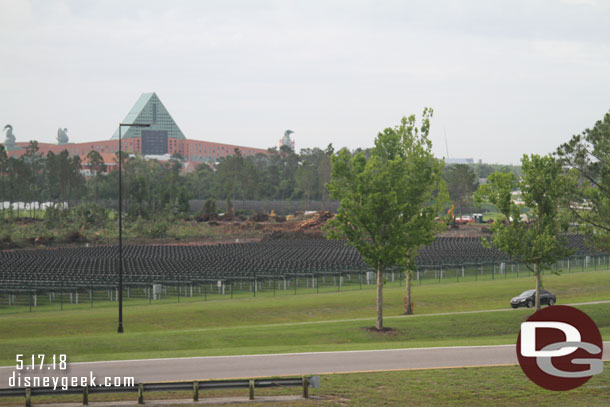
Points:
(248, 366)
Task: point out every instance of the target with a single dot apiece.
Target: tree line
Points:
(153, 188)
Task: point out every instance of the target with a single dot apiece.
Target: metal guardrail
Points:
(195, 386)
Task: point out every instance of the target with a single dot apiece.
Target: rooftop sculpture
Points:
(62, 136)
(9, 137)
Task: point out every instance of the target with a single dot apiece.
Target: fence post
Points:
(251, 389)
(140, 393)
(28, 397)
(195, 391)
(305, 387)
(85, 395)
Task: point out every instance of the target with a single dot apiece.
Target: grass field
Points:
(474, 387)
(332, 321)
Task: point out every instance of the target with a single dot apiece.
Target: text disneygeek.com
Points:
(65, 382)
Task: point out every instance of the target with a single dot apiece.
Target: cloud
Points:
(340, 71)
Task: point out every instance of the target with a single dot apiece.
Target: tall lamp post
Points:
(121, 125)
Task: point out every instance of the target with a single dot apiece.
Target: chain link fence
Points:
(59, 296)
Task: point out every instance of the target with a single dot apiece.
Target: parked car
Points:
(528, 299)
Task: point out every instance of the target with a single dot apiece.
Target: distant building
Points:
(459, 161)
(162, 138)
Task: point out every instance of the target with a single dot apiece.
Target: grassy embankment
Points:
(332, 321)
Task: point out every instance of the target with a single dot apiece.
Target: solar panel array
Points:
(146, 264)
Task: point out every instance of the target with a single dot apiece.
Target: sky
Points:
(504, 78)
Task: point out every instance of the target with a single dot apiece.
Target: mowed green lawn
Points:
(332, 321)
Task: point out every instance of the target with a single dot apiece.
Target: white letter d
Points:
(528, 338)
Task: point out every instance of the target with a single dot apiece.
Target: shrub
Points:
(158, 229)
(90, 214)
(55, 216)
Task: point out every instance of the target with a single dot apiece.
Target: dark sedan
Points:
(528, 299)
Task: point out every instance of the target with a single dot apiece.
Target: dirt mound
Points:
(259, 217)
(206, 217)
(316, 221)
(271, 226)
(308, 228)
(75, 237)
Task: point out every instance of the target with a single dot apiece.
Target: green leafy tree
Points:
(589, 154)
(385, 210)
(35, 175)
(461, 183)
(76, 179)
(306, 180)
(249, 179)
(228, 178)
(96, 165)
(538, 242)
(324, 170)
(3, 171)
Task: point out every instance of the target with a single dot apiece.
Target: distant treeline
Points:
(152, 187)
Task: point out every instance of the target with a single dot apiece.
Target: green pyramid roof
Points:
(142, 112)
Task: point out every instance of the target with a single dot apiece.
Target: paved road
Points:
(217, 367)
(246, 366)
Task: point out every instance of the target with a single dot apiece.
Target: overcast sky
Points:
(504, 77)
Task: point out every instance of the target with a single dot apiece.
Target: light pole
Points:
(121, 125)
